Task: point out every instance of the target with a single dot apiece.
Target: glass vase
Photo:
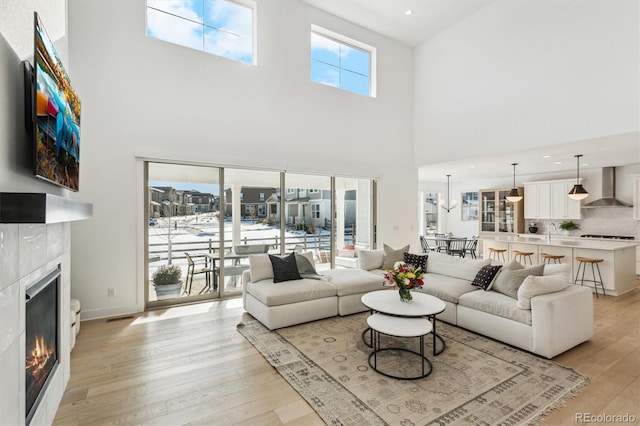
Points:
(405, 295)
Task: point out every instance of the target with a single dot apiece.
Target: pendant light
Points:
(578, 192)
(513, 195)
(450, 206)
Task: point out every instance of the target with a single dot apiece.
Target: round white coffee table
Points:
(423, 305)
(398, 327)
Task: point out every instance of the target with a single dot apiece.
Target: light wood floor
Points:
(188, 365)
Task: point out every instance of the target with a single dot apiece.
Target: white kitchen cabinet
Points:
(636, 197)
(563, 207)
(537, 201)
(550, 200)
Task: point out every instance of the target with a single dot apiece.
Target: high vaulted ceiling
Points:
(389, 18)
(429, 17)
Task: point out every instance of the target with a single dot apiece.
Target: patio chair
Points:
(194, 268)
(472, 246)
(457, 247)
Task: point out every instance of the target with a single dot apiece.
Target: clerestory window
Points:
(220, 27)
(342, 62)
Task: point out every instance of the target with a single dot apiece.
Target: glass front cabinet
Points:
(499, 216)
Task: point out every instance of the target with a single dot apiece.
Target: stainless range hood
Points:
(608, 192)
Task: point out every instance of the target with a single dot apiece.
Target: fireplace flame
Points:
(39, 356)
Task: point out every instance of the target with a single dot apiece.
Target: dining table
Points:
(443, 243)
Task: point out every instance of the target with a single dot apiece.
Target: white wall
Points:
(527, 73)
(141, 96)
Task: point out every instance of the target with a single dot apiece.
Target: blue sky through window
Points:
(221, 27)
(339, 65)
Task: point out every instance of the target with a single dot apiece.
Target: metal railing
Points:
(160, 251)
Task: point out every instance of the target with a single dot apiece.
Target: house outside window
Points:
(261, 196)
(342, 62)
(220, 27)
(469, 209)
(241, 196)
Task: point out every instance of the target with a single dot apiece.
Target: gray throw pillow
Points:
(509, 280)
(305, 267)
(284, 268)
(391, 256)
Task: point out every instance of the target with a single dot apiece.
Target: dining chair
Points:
(194, 268)
(441, 243)
(425, 245)
(457, 247)
(472, 246)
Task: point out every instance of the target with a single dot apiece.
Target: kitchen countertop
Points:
(561, 241)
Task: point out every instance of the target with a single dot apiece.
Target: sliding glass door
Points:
(204, 222)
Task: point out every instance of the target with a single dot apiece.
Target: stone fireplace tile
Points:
(10, 302)
(9, 263)
(11, 384)
(55, 240)
(33, 247)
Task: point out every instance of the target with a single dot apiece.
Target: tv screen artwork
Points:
(57, 116)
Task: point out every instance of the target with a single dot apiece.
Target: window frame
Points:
(252, 5)
(344, 40)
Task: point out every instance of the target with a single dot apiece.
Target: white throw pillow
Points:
(535, 285)
(260, 267)
(391, 255)
(370, 259)
(452, 266)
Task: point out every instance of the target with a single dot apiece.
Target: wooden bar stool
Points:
(583, 263)
(548, 258)
(522, 256)
(495, 253)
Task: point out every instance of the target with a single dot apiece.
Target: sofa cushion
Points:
(495, 303)
(370, 259)
(535, 286)
(445, 287)
(283, 293)
(509, 280)
(391, 255)
(417, 260)
(485, 276)
(260, 266)
(457, 267)
(354, 281)
(284, 268)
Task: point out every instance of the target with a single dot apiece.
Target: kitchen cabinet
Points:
(499, 216)
(550, 200)
(636, 196)
(563, 207)
(537, 200)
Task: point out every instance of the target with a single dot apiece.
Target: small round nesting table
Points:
(422, 306)
(398, 327)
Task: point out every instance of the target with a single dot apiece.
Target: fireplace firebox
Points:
(42, 318)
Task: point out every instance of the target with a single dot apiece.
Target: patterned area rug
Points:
(475, 381)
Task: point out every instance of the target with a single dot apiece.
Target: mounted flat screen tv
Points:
(56, 115)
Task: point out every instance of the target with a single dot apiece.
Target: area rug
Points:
(475, 381)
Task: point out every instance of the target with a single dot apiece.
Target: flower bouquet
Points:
(404, 277)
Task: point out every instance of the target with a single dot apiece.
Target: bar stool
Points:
(522, 256)
(495, 253)
(548, 258)
(583, 263)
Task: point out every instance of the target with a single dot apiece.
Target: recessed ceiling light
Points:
(408, 12)
(546, 156)
(557, 162)
(586, 164)
(472, 167)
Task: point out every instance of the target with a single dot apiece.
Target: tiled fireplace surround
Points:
(27, 253)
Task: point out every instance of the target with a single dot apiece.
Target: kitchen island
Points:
(618, 269)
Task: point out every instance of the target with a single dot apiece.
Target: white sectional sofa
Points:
(560, 315)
